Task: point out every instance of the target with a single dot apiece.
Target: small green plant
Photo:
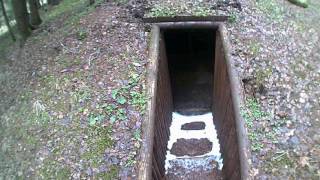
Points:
(133, 79)
(93, 119)
(115, 112)
(232, 18)
(121, 114)
(121, 100)
(131, 159)
(137, 134)
(118, 112)
(138, 99)
(82, 34)
(126, 95)
(253, 113)
(114, 93)
(256, 144)
(39, 115)
(109, 108)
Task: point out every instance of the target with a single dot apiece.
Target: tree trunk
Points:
(6, 19)
(38, 4)
(21, 15)
(35, 19)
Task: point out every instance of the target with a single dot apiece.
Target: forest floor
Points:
(73, 98)
(276, 48)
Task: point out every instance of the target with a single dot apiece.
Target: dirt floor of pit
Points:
(196, 174)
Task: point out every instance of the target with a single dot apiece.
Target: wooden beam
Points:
(184, 19)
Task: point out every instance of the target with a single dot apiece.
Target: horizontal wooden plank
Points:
(184, 19)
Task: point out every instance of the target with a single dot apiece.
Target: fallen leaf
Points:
(303, 161)
(136, 64)
(121, 100)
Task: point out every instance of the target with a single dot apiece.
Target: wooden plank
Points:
(185, 19)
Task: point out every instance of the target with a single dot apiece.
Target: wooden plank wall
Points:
(163, 114)
(224, 114)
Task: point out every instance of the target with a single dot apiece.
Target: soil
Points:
(193, 126)
(191, 147)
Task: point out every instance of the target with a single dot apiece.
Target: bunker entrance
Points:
(191, 153)
(190, 54)
(194, 118)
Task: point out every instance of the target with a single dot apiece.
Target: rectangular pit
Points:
(190, 74)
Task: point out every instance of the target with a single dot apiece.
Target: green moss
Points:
(99, 140)
(259, 131)
(262, 75)
(104, 140)
(163, 11)
(253, 113)
(169, 10)
(51, 169)
(63, 173)
(65, 6)
(111, 174)
(202, 11)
